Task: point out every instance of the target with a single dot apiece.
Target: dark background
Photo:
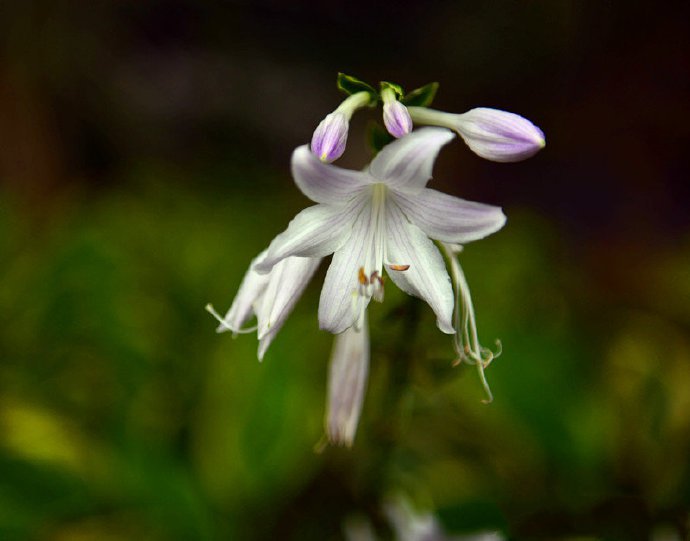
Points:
(144, 160)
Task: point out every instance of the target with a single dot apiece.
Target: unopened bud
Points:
(330, 137)
(490, 133)
(395, 115)
(397, 119)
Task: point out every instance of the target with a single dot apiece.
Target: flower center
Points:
(369, 277)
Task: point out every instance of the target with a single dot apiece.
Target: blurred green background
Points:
(144, 161)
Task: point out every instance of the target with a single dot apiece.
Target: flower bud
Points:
(498, 135)
(397, 119)
(330, 137)
(492, 134)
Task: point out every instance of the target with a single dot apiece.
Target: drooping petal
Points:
(338, 295)
(315, 232)
(426, 277)
(330, 137)
(347, 382)
(242, 308)
(406, 164)
(322, 182)
(450, 219)
(288, 278)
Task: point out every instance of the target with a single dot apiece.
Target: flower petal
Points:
(426, 277)
(315, 232)
(450, 219)
(347, 382)
(288, 279)
(406, 164)
(252, 287)
(338, 295)
(322, 182)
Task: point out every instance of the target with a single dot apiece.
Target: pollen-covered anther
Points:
(362, 277)
(398, 267)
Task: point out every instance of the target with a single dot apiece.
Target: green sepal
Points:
(421, 97)
(351, 85)
(377, 137)
(395, 88)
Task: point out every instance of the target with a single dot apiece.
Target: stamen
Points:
(396, 267)
(216, 315)
(376, 285)
(466, 340)
(362, 277)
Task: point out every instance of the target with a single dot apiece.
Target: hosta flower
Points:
(492, 134)
(382, 217)
(330, 137)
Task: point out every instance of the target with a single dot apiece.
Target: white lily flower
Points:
(384, 216)
(271, 297)
(381, 217)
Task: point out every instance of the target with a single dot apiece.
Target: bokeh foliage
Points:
(144, 161)
(124, 416)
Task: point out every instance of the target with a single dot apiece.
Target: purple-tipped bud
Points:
(397, 119)
(498, 135)
(330, 137)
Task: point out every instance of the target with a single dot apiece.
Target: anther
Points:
(362, 277)
(376, 282)
(399, 267)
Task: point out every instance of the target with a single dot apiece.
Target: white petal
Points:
(427, 277)
(346, 384)
(242, 309)
(336, 312)
(406, 164)
(315, 232)
(322, 182)
(450, 219)
(287, 282)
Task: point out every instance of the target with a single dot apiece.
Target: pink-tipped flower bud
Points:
(397, 119)
(496, 135)
(330, 137)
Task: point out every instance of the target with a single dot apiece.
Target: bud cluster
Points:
(493, 134)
